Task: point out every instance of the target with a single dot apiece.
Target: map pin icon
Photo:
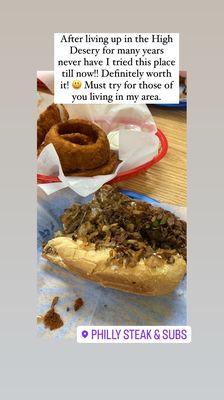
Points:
(84, 334)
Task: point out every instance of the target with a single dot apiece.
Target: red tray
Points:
(127, 174)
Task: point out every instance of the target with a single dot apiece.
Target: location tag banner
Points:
(134, 334)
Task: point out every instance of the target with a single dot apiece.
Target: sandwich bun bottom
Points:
(151, 277)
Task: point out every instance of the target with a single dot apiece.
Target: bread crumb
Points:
(39, 319)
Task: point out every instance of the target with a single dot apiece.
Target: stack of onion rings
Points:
(82, 147)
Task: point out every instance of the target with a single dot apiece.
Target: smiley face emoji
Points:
(76, 84)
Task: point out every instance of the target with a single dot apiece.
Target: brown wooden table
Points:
(166, 181)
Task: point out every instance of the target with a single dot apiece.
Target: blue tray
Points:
(182, 105)
(121, 308)
(139, 196)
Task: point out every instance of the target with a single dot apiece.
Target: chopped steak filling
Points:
(131, 229)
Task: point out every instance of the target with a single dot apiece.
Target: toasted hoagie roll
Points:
(152, 276)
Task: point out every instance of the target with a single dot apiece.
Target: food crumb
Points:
(52, 320)
(54, 301)
(39, 319)
(78, 304)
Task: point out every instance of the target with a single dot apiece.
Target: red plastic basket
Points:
(127, 174)
(123, 175)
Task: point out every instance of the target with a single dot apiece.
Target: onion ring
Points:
(75, 156)
(53, 114)
(105, 169)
